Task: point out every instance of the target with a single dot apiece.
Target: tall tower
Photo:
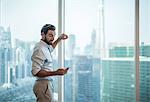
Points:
(100, 39)
(100, 42)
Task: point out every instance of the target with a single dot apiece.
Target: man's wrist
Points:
(52, 73)
(59, 38)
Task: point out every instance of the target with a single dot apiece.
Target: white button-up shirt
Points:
(42, 59)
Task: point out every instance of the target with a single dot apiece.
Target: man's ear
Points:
(43, 35)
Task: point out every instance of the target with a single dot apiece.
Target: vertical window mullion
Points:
(137, 50)
(61, 47)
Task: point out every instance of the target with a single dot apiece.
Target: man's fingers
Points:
(64, 36)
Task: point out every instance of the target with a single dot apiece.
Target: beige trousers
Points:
(43, 91)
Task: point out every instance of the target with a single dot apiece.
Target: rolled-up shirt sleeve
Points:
(38, 59)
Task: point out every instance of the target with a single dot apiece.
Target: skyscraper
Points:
(119, 80)
(5, 55)
(100, 35)
(119, 75)
(89, 49)
(145, 50)
(145, 79)
(70, 46)
(121, 51)
(82, 79)
(22, 58)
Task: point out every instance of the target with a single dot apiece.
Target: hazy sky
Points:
(26, 17)
(120, 20)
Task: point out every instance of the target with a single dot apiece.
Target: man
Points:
(42, 64)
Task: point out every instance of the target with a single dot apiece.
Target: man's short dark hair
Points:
(47, 27)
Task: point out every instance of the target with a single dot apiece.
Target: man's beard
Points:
(46, 41)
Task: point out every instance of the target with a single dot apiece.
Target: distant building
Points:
(145, 79)
(118, 72)
(22, 58)
(70, 47)
(5, 55)
(82, 79)
(96, 81)
(118, 80)
(121, 51)
(128, 51)
(145, 50)
(89, 49)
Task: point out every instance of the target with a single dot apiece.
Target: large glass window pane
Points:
(82, 83)
(20, 25)
(144, 51)
(117, 51)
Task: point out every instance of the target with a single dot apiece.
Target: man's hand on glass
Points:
(63, 36)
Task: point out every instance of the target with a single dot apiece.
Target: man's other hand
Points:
(61, 71)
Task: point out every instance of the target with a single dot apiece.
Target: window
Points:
(20, 25)
(144, 51)
(100, 50)
(118, 70)
(82, 83)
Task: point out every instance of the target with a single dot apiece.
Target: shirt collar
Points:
(44, 44)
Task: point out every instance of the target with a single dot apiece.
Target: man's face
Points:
(49, 37)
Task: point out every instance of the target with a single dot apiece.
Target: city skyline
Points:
(94, 29)
(79, 64)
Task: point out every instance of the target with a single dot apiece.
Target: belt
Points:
(44, 80)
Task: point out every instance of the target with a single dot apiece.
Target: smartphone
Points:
(67, 68)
